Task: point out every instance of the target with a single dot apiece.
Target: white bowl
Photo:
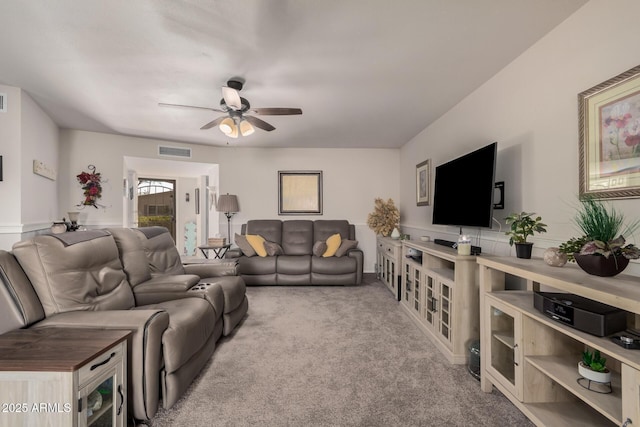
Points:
(425, 238)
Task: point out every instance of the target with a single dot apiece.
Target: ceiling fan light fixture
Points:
(234, 131)
(246, 128)
(227, 126)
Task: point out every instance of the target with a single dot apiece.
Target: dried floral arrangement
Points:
(384, 218)
(91, 187)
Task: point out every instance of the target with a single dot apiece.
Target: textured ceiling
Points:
(365, 73)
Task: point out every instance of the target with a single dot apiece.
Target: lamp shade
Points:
(227, 125)
(227, 203)
(246, 128)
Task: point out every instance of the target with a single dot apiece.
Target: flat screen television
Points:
(463, 190)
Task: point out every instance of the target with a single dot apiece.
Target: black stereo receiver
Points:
(581, 313)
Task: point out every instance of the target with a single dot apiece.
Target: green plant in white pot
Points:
(523, 225)
(593, 367)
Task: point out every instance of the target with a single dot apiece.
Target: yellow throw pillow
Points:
(333, 243)
(257, 243)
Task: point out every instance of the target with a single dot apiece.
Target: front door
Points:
(157, 203)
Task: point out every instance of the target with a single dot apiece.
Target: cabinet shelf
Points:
(544, 386)
(505, 339)
(564, 371)
(565, 414)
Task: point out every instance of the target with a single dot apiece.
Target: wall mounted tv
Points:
(463, 191)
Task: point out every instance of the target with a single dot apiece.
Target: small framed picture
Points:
(422, 182)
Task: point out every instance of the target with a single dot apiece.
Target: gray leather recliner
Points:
(80, 282)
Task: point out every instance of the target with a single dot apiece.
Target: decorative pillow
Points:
(273, 248)
(257, 243)
(345, 246)
(333, 243)
(319, 248)
(244, 245)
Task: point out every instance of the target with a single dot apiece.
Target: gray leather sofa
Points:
(298, 265)
(78, 280)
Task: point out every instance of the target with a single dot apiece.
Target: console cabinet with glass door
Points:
(532, 359)
(388, 263)
(63, 377)
(440, 293)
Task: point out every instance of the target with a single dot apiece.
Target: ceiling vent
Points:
(3, 102)
(174, 151)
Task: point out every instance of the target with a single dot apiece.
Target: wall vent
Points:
(174, 151)
(3, 102)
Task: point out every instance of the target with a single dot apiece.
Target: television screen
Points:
(463, 190)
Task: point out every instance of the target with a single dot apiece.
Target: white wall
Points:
(352, 178)
(29, 201)
(530, 108)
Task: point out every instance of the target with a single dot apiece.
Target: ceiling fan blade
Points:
(277, 111)
(231, 97)
(213, 123)
(259, 123)
(162, 104)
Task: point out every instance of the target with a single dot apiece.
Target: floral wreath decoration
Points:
(91, 184)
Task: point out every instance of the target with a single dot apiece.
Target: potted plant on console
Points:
(593, 367)
(523, 225)
(604, 251)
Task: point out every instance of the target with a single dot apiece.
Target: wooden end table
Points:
(63, 377)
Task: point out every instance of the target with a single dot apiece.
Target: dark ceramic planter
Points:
(523, 250)
(598, 265)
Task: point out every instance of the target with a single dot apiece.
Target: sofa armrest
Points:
(233, 253)
(215, 268)
(144, 355)
(358, 255)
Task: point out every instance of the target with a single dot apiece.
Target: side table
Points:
(218, 250)
(63, 377)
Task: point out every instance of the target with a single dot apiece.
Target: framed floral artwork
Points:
(422, 183)
(299, 192)
(609, 119)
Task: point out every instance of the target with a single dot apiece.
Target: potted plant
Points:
(593, 367)
(523, 225)
(385, 217)
(604, 251)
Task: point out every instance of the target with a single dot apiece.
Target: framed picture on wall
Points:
(422, 183)
(609, 120)
(299, 192)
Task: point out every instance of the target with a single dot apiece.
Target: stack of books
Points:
(217, 241)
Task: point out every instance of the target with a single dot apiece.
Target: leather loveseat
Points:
(297, 264)
(78, 280)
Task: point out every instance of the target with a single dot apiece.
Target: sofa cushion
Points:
(257, 243)
(244, 245)
(345, 246)
(132, 255)
(294, 264)
(333, 265)
(333, 243)
(323, 229)
(257, 265)
(272, 248)
(270, 229)
(84, 276)
(297, 237)
(161, 251)
(319, 248)
(19, 304)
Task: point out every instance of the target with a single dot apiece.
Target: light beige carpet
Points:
(333, 356)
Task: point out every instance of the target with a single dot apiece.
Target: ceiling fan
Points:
(237, 121)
